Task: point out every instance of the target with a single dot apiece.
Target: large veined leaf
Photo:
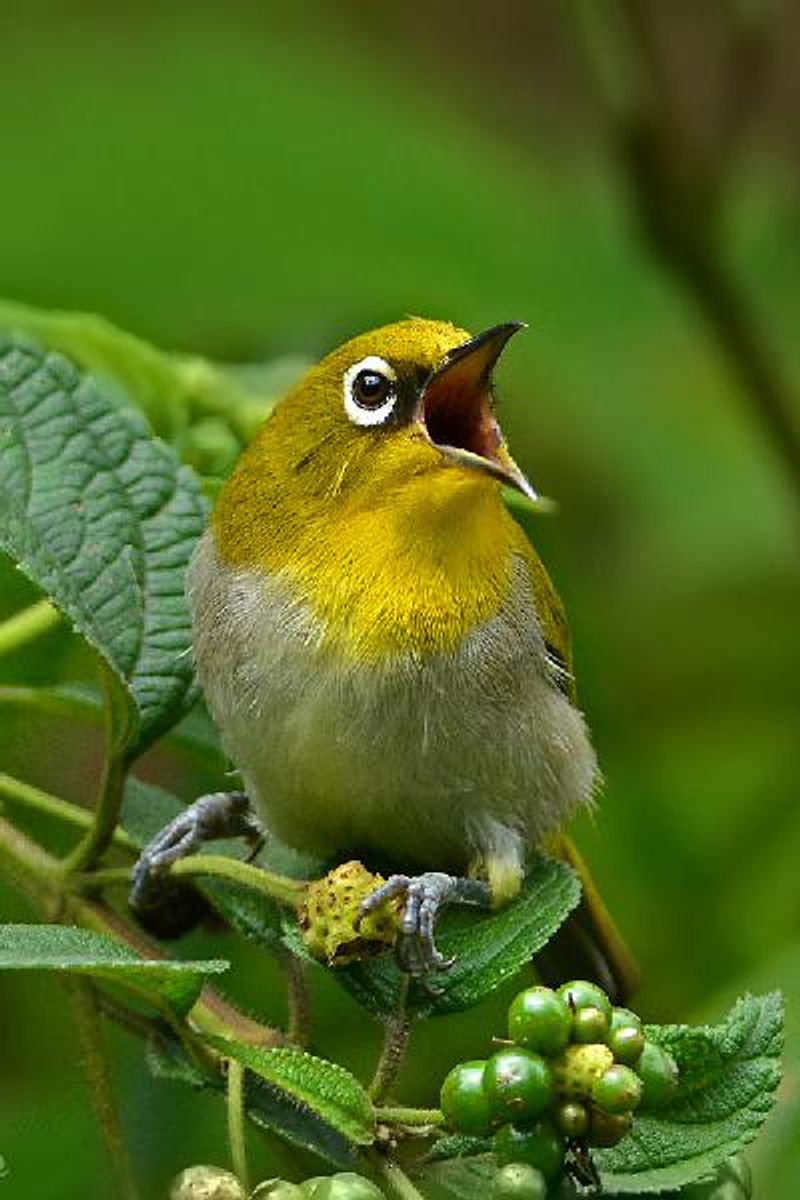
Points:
(488, 948)
(99, 514)
(729, 1074)
(83, 952)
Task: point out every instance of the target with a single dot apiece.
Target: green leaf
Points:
(488, 948)
(729, 1074)
(80, 951)
(207, 411)
(98, 513)
(318, 1085)
(458, 1179)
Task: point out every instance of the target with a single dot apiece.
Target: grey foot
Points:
(218, 815)
(425, 895)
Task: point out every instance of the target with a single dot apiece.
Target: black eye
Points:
(370, 389)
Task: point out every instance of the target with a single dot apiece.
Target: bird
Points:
(382, 649)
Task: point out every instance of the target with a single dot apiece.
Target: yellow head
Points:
(375, 484)
(408, 400)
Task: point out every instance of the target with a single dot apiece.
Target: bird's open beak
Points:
(456, 409)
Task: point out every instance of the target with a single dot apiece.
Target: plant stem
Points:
(397, 1034)
(26, 625)
(410, 1116)
(33, 797)
(236, 1136)
(277, 887)
(106, 816)
(299, 1023)
(395, 1178)
(99, 1081)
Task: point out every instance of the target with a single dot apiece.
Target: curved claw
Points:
(425, 894)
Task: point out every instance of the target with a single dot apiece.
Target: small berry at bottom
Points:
(344, 1186)
(518, 1084)
(463, 1100)
(540, 1020)
(658, 1072)
(572, 1119)
(539, 1146)
(605, 1129)
(579, 993)
(519, 1181)
(590, 1025)
(619, 1090)
(206, 1183)
(277, 1189)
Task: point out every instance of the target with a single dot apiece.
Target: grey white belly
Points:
(429, 762)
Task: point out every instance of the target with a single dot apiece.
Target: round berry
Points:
(277, 1189)
(618, 1091)
(658, 1072)
(519, 1181)
(346, 1185)
(606, 1129)
(579, 993)
(589, 1025)
(538, 1145)
(463, 1100)
(624, 1018)
(518, 1084)
(626, 1043)
(572, 1119)
(540, 1020)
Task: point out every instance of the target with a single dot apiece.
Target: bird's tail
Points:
(588, 945)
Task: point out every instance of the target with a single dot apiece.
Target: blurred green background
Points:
(253, 181)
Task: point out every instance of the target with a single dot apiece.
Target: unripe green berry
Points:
(606, 1129)
(464, 1101)
(658, 1072)
(572, 1119)
(518, 1084)
(539, 1145)
(579, 993)
(618, 1091)
(519, 1181)
(540, 1020)
(623, 1018)
(206, 1183)
(626, 1043)
(589, 1025)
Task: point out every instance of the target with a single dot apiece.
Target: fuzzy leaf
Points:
(488, 948)
(457, 1179)
(322, 1087)
(98, 513)
(80, 951)
(729, 1074)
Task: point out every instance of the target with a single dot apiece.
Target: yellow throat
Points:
(373, 490)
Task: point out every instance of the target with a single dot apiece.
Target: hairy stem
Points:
(298, 1026)
(397, 1034)
(26, 625)
(422, 1117)
(277, 887)
(236, 1135)
(99, 1081)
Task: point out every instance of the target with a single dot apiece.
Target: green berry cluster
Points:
(571, 1076)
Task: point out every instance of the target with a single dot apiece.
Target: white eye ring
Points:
(358, 413)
